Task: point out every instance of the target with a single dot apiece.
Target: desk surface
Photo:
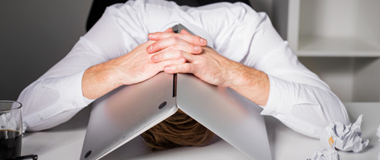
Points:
(65, 142)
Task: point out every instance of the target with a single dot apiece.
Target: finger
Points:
(171, 62)
(169, 30)
(185, 32)
(180, 68)
(173, 43)
(167, 55)
(161, 35)
(170, 55)
(195, 40)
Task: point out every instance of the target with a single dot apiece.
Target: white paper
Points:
(7, 122)
(24, 126)
(325, 154)
(344, 137)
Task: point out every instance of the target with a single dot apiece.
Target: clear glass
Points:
(10, 129)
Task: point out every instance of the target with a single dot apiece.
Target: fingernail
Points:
(150, 48)
(203, 41)
(152, 35)
(167, 68)
(154, 57)
(197, 48)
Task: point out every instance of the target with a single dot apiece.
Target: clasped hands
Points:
(186, 53)
(175, 53)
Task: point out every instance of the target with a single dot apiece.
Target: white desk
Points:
(65, 142)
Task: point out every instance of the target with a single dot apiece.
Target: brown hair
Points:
(177, 130)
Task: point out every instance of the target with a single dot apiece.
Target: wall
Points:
(34, 35)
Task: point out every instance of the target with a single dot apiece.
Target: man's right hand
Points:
(136, 66)
(131, 68)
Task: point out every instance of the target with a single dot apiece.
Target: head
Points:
(177, 130)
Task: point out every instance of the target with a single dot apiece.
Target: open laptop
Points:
(128, 111)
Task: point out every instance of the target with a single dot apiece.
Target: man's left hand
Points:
(207, 65)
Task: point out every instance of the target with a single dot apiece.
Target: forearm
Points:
(250, 83)
(99, 80)
(305, 108)
(131, 68)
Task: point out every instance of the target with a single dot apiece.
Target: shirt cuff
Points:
(280, 97)
(71, 91)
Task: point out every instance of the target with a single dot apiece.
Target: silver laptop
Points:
(128, 111)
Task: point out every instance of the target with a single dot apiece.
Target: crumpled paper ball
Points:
(325, 154)
(344, 137)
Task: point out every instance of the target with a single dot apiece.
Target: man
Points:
(237, 48)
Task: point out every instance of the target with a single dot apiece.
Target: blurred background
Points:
(34, 35)
(337, 39)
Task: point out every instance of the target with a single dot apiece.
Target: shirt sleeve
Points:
(57, 95)
(298, 97)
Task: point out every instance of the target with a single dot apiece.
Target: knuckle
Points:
(196, 39)
(192, 49)
(176, 39)
(180, 54)
(174, 68)
(202, 59)
(178, 36)
(175, 62)
(171, 47)
(187, 67)
(155, 45)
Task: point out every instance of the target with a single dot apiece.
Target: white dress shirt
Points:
(298, 98)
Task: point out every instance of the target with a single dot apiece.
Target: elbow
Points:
(40, 124)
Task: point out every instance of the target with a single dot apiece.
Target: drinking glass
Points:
(10, 129)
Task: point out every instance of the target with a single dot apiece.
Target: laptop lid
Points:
(229, 115)
(125, 113)
(128, 111)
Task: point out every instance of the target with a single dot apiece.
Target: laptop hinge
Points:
(174, 85)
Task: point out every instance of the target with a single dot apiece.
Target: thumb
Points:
(169, 30)
(185, 32)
